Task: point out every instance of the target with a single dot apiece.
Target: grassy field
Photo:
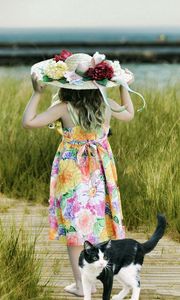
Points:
(146, 152)
(20, 269)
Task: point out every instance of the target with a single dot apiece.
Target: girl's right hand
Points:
(38, 87)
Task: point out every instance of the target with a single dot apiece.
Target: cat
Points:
(121, 259)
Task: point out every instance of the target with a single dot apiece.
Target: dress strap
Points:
(73, 114)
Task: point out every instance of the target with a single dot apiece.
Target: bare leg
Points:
(75, 288)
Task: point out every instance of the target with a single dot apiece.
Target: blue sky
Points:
(89, 13)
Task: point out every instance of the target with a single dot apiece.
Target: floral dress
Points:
(84, 202)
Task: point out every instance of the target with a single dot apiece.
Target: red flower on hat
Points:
(62, 56)
(100, 71)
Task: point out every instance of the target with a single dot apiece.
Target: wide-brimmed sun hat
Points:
(81, 71)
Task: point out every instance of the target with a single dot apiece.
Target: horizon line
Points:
(97, 28)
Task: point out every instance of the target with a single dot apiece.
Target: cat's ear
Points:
(87, 246)
(108, 245)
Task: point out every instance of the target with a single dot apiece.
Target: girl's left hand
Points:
(131, 80)
(38, 87)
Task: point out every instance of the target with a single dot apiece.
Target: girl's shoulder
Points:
(59, 104)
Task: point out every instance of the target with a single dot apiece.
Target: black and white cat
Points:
(121, 259)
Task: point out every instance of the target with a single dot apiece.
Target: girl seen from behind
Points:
(84, 200)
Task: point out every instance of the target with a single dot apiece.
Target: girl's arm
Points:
(127, 114)
(30, 117)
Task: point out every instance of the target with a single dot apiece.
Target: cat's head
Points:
(95, 255)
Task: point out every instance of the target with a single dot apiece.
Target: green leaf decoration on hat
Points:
(86, 79)
(83, 75)
(63, 80)
(47, 79)
(103, 81)
(80, 73)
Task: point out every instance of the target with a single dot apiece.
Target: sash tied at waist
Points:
(89, 146)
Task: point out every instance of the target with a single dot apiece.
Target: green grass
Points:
(20, 268)
(146, 152)
(26, 155)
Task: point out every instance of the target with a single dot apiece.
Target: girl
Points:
(84, 202)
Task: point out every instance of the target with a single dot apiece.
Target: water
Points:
(158, 75)
(145, 74)
(87, 35)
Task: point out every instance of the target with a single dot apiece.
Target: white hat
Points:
(82, 72)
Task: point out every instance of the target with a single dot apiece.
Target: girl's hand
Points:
(38, 87)
(131, 80)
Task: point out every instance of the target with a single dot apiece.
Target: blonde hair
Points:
(88, 103)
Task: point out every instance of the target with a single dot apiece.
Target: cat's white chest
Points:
(92, 271)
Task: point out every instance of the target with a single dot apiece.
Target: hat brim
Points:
(87, 85)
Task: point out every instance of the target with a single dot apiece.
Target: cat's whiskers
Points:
(107, 267)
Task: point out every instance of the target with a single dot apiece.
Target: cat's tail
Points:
(157, 235)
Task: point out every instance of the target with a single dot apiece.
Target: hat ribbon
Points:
(123, 83)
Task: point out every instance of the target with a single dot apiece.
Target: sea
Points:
(89, 34)
(145, 73)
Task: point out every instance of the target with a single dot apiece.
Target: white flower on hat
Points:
(98, 58)
(118, 71)
(55, 70)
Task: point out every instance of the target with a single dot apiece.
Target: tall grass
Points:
(26, 155)
(20, 269)
(146, 152)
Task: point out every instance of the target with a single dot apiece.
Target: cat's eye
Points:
(105, 257)
(94, 258)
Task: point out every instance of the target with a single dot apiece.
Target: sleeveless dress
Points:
(84, 202)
